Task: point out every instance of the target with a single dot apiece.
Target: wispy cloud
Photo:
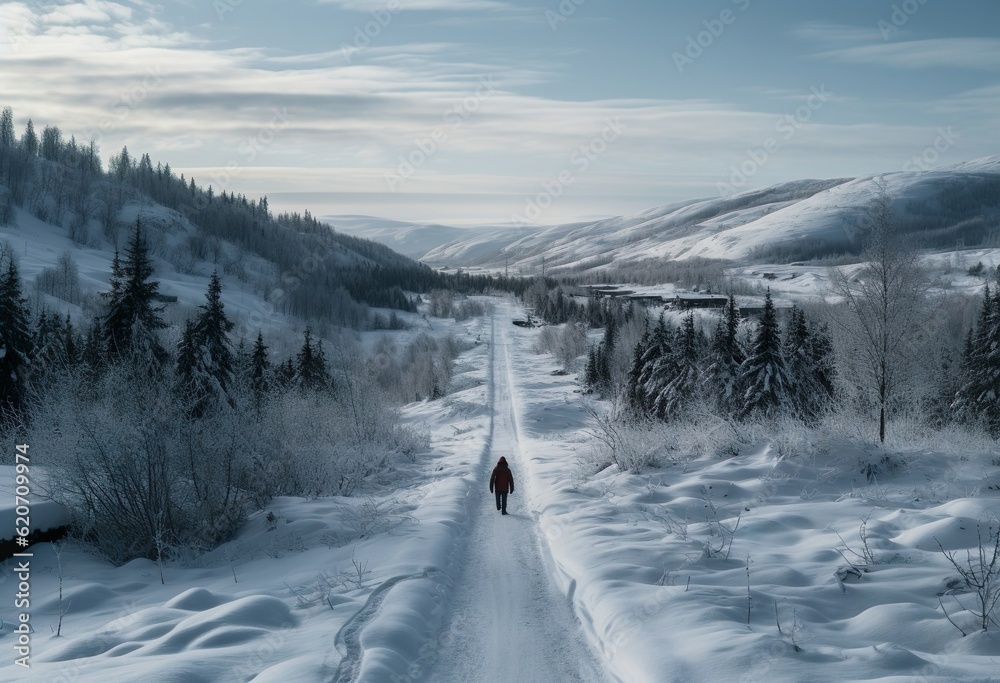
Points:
(417, 5)
(832, 34)
(95, 25)
(952, 53)
(351, 120)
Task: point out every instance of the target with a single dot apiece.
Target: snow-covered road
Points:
(508, 622)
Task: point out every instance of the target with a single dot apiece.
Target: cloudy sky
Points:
(475, 111)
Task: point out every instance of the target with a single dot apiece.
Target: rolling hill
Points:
(948, 208)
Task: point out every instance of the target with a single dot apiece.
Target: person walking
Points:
(502, 483)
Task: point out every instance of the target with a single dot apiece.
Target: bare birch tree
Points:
(884, 306)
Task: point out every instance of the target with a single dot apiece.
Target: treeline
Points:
(317, 274)
(779, 367)
(161, 444)
(763, 370)
(556, 303)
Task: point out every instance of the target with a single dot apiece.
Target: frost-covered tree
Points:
(94, 353)
(205, 362)
(310, 364)
(683, 376)
(71, 347)
(657, 366)
(132, 319)
(764, 377)
(598, 373)
(211, 330)
(7, 135)
(187, 358)
(978, 398)
(47, 342)
(808, 355)
(260, 368)
(884, 307)
(29, 140)
(15, 338)
(51, 143)
(725, 357)
(634, 393)
(590, 372)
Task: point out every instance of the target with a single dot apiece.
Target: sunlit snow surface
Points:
(595, 575)
(607, 579)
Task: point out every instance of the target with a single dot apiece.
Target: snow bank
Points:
(664, 596)
(310, 590)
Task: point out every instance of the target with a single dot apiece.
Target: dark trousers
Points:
(501, 501)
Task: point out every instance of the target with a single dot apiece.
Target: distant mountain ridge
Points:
(950, 207)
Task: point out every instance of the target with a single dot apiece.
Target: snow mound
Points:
(196, 600)
(169, 630)
(953, 533)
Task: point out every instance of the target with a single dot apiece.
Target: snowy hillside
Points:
(417, 239)
(945, 208)
(38, 246)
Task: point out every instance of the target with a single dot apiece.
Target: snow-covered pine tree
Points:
(7, 136)
(684, 375)
(590, 372)
(633, 387)
(93, 354)
(824, 367)
(597, 375)
(15, 339)
(764, 374)
(726, 355)
(47, 347)
(605, 353)
(657, 365)
(46, 340)
(29, 139)
(204, 355)
(310, 364)
(947, 384)
(285, 375)
(978, 398)
(117, 281)
(322, 370)
(989, 400)
(809, 356)
(211, 334)
(305, 363)
(187, 359)
(131, 318)
(260, 368)
(973, 380)
(72, 344)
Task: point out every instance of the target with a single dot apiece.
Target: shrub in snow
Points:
(133, 468)
(141, 473)
(629, 443)
(980, 570)
(566, 342)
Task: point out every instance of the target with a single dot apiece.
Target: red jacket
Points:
(502, 478)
